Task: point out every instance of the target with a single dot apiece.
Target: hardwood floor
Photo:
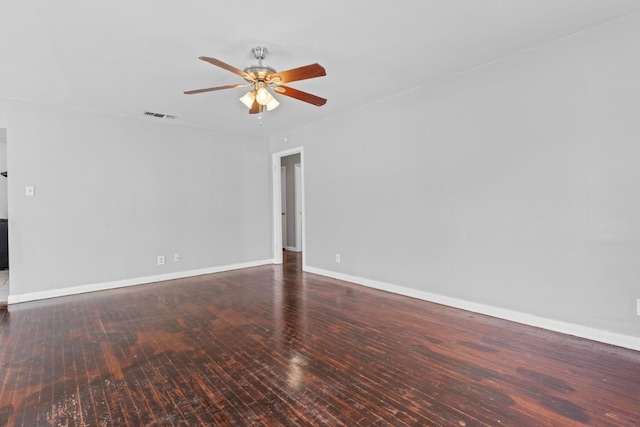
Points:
(4, 288)
(271, 346)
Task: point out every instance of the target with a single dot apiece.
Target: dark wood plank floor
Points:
(271, 346)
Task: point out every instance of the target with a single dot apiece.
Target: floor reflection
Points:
(290, 316)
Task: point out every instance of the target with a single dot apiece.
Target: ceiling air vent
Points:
(159, 115)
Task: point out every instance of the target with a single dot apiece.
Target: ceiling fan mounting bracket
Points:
(260, 52)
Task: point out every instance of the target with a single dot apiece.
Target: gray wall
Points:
(289, 162)
(111, 194)
(3, 167)
(515, 185)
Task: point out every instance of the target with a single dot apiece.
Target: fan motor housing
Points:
(259, 71)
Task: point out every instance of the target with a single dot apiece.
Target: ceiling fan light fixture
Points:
(248, 98)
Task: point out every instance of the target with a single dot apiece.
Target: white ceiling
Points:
(126, 57)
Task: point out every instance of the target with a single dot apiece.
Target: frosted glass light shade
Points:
(263, 96)
(273, 104)
(248, 99)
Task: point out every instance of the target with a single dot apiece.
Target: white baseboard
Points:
(53, 293)
(292, 248)
(620, 340)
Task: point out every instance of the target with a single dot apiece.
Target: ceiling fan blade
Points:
(255, 108)
(302, 96)
(301, 73)
(211, 89)
(224, 65)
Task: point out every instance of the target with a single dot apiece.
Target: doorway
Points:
(288, 203)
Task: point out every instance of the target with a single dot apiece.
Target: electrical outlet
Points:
(176, 257)
(638, 306)
(338, 258)
(160, 259)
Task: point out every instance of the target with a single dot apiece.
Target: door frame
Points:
(276, 203)
(297, 190)
(283, 206)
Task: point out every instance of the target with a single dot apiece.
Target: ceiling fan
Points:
(261, 78)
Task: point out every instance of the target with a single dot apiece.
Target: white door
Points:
(283, 203)
(297, 177)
